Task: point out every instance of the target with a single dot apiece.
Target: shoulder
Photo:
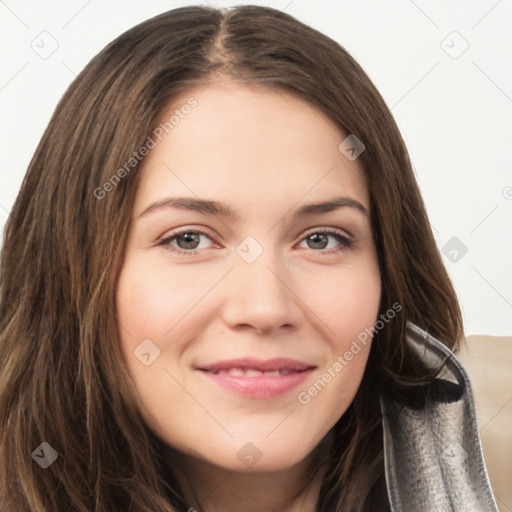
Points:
(488, 362)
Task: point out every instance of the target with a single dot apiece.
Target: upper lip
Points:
(250, 363)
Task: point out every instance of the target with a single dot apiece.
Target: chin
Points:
(256, 457)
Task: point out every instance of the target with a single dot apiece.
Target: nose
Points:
(259, 296)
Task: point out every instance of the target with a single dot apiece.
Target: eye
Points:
(319, 241)
(185, 242)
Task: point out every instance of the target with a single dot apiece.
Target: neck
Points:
(209, 488)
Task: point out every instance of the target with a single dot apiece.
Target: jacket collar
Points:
(432, 451)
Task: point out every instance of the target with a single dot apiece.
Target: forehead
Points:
(241, 140)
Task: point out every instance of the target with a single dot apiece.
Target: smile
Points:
(256, 378)
(240, 372)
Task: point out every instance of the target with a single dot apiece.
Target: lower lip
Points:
(259, 387)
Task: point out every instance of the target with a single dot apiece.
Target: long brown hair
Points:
(62, 380)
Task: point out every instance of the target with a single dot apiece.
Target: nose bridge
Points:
(258, 267)
(259, 289)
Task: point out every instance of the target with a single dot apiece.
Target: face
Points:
(238, 316)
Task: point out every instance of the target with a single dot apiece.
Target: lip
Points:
(295, 372)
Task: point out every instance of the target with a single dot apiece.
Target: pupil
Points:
(318, 238)
(188, 238)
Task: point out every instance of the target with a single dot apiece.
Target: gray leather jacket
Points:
(432, 454)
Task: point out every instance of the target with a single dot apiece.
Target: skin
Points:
(265, 154)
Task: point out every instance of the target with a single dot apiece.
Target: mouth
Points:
(258, 378)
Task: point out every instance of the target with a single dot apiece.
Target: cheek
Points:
(153, 299)
(347, 303)
(149, 310)
(346, 300)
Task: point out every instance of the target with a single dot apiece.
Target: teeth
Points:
(253, 373)
(236, 372)
(239, 372)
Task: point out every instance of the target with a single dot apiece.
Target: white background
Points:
(455, 114)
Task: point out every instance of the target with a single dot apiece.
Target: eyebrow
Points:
(223, 210)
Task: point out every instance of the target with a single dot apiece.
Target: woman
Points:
(300, 360)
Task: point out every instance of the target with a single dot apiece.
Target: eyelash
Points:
(345, 242)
